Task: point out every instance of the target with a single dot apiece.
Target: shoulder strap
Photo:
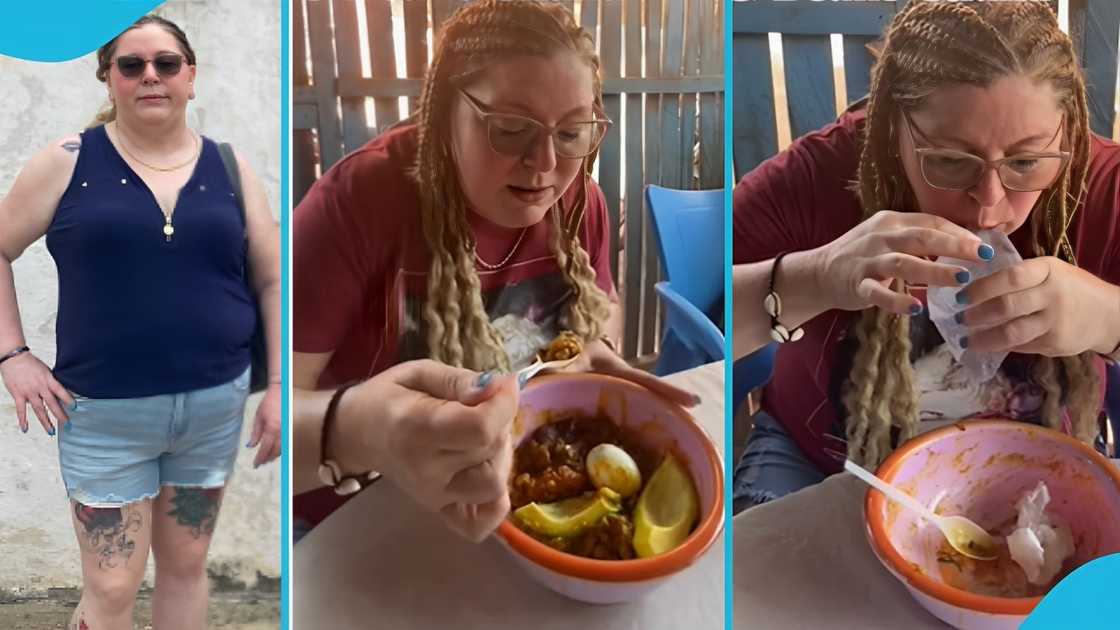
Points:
(230, 162)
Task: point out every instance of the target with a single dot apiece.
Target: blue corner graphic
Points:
(1084, 599)
(61, 30)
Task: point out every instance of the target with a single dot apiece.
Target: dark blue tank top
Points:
(139, 315)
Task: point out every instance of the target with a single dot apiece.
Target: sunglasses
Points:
(947, 169)
(165, 64)
(515, 136)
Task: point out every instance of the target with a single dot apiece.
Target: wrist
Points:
(336, 467)
(1109, 346)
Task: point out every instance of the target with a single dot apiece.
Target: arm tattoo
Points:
(107, 532)
(72, 145)
(197, 509)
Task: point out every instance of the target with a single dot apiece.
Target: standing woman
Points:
(977, 120)
(459, 243)
(154, 324)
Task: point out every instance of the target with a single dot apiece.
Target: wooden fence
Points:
(806, 27)
(668, 115)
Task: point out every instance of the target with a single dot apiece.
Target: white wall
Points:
(238, 100)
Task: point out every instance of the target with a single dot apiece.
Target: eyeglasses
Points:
(166, 65)
(514, 135)
(946, 169)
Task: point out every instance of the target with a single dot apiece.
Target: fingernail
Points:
(696, 400)
(959, 317)
(484, 379)
(986, 252)
(50, 431)
(24, 429)
(74, 406)
(963, 276)
(915, 309)
(962, 298)
(964, 342)
(249, 444)
(522, 378)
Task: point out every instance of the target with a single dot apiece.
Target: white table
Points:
(803, 561)
(382, 562)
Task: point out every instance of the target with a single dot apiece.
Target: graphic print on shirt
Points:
(525, 314)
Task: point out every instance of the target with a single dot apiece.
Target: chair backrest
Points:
(689, 226)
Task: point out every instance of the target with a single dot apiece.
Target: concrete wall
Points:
(238, 100)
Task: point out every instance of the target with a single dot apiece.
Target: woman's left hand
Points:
(1041, 306)
(266, 427)
(598, 357)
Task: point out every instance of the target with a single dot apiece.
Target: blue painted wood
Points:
(323, 77)
(857, 66)
(1101, 23)
(755, 131)
(672, 149)
(691, 64)
(383, 64)
(811, 17)
(809, 88)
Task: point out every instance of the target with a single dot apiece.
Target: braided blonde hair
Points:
(929, 45)
(478, 34)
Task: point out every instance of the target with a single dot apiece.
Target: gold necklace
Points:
(508, 256)
(161, 169)
(168, 228)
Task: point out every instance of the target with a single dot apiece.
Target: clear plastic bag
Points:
(943, 306)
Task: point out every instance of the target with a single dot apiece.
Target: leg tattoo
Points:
(107, 532)
(197, 509)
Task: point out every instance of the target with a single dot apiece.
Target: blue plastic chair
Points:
(750, 373)
(689, 228)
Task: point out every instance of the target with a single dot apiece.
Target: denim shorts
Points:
(772, 466)
(116, 451)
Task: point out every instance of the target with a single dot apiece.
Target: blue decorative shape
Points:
(1081, 599)
(62, 30)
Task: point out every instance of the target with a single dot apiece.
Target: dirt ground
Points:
(230, 611)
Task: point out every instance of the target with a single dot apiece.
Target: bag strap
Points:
(230, 162)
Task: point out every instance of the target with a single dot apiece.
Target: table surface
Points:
(382, 562)
(804, 561)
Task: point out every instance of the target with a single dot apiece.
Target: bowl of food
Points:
(1051, 502)
(614, 489)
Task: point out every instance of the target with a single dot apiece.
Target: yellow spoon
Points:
(963, 535)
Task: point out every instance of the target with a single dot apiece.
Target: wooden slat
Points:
(610, 159)
(355, 127)
(416, 45)
(755, 131)
(634, 221)
(1101, 24)
(811, 17)
(589, 16)
(379, 25)
(304, 117)
(441, 10)
(711, 110)
(651, 271)
(857, 66)
(322, 74)
(672, 49)
(691, 67)
(809, 88)
(379, 88)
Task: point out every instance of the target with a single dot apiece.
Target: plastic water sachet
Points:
(943, 306)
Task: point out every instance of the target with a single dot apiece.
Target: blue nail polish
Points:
(484, 379)
(696, 399)
(964, 342)
(24, 429)
(522, 378)
(915, 309)
(249, 444)
(959, 317)
(50, 431)
(962, 298)
(986, 252)
(963, 276)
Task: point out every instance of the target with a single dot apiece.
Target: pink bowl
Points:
(984, 467)
(662, 425)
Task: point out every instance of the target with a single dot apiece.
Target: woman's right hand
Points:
(30, 381)
(856, 270)
(438, 435)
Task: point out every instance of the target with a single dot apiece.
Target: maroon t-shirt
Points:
(801, 199)
(361, 266)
